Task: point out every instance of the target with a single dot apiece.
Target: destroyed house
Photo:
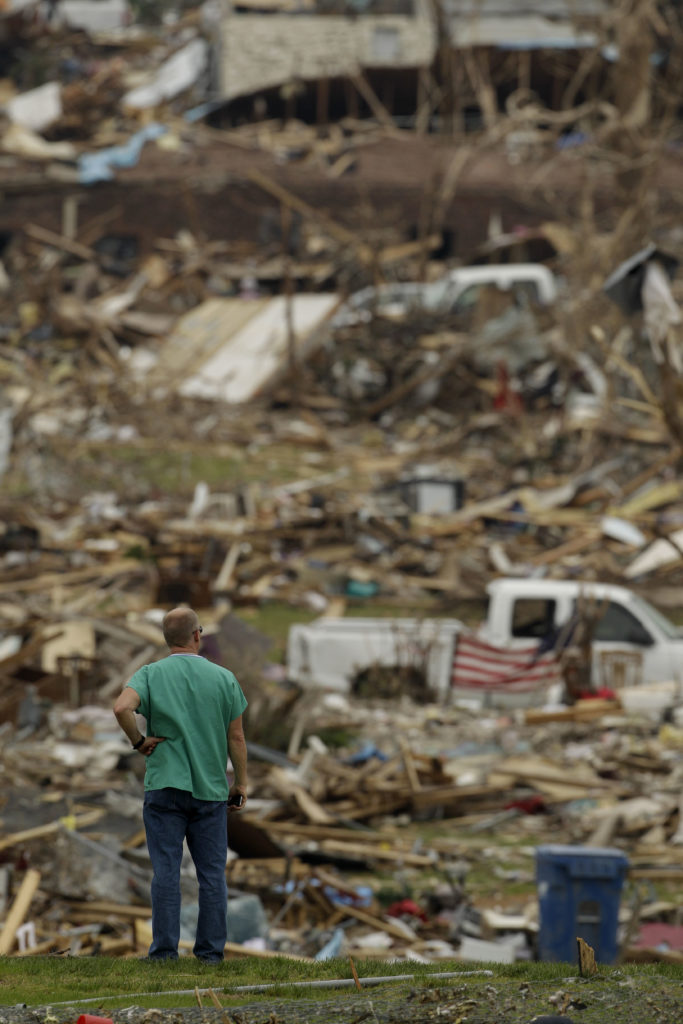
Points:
(399, 58)
(538, 47)
(318, 56)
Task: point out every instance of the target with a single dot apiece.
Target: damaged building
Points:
(434, 67)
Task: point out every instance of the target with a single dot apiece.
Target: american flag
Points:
(480, 666)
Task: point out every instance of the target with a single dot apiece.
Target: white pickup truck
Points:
(633, 643)
(457, 291)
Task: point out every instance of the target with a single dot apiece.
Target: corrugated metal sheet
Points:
(564, 9)
(527, 32)
(524, 24)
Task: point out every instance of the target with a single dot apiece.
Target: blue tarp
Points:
(98, 166)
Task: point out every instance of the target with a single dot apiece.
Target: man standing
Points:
(194, 711)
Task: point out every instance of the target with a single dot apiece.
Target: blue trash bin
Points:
(579, 888)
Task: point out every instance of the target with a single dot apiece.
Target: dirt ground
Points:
(204, 187)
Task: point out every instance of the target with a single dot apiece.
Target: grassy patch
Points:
(155, 467)
(98, 984)
(273, 619)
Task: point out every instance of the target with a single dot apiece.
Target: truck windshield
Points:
(671, 631)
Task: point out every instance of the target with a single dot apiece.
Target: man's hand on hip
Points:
(151, 742)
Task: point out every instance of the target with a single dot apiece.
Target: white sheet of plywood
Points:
(230, 349)
(661, 552)
(76, 638)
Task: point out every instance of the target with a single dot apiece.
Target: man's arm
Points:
(237, 748)
(124, 709)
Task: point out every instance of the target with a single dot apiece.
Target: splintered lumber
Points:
(216, 1001)
(234, 949)
(377, 923)
(606, 828)
(404, 250)
(225, 578)
(41, 831)
(342, 234)
(413, 382)
(44, 582)
(648, 955)
(571, 547)
(137, 839)
(550, 778)
(286, 785)
(411, 770)
(18, 910)
(27, 651)
(41, 947)
(262, 872)
(376, 106)
(451, 795)
(60, 242)
(657, 874)
(318, 898)
(368, 852)
(367, 845)
(104, 907)
(371, 806)
(585, 709)
(318, 832)
(143, 937)
(587, 964)
(334, 882)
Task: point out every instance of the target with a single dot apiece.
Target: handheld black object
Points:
(236, 800)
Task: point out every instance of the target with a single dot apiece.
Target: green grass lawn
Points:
(99, 985)
(113, 983)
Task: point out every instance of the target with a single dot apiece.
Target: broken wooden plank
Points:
(580, 712)
(287, 786)
(411, 770)
(47, 237)
(650, 955)
(44, 582)
(19, 909)
(340, 233)
(378, 923)
(106, 907)
(586, 953)
(143, 937)
(657, 874)
(51, 828)
(375, 104)
(225, 579)
(369, 852)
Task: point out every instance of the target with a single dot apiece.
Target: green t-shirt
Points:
(191, 702)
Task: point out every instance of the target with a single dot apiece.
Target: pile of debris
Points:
(222, 420)
(332, 854)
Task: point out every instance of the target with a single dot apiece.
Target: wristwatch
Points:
(136, 746)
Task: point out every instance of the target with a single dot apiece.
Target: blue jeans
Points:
(170, 816)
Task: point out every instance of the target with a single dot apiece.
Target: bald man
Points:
(193, 710)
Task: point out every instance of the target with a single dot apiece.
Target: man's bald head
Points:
(179, 624)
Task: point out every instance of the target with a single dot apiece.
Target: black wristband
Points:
(136, 746)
